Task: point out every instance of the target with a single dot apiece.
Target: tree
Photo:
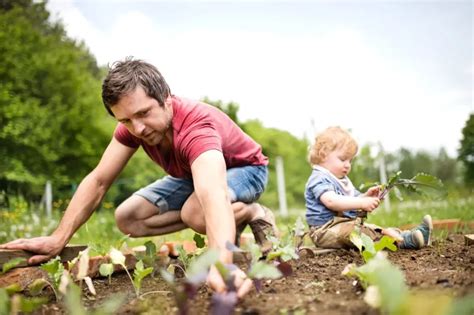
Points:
(466, 151)
(446, 168)
(51, 121)
(230, 109)
(364, 168)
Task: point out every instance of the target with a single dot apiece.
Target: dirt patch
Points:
(317, 286)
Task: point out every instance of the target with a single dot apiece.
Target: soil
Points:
(316, 287)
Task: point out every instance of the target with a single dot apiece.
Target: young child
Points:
(332, 201)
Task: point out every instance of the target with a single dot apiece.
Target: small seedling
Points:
(421, 183)
(140, 272)
(55, 269)
(106, 270)
(73, 302)
(196, 274)
(16, 303)
(260, 269)
(367, 247)
(384, 283)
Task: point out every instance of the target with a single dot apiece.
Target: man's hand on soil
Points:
(241, 282)
(45, 248)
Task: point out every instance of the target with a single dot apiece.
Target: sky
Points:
(399, 73)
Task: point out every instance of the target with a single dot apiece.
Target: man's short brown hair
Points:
(125, 76)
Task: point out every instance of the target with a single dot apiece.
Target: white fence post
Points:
(48, 198)
(383, 176)
(281, 186)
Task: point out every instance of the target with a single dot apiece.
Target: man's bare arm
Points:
(210, 184)
(85, 200)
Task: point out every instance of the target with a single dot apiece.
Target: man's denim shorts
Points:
(245, 184)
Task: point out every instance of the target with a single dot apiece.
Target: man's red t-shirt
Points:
(198, 127)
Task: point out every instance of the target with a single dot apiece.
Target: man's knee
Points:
(193, 220)
(192, 216)
(124, 219)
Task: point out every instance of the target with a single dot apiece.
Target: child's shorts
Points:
(336, 233)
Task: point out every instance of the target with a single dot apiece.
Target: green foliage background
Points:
(53, 125)
(466, 151)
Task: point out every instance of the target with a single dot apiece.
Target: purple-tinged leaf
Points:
(258, 284)
(190, 290)
(285, 268)
(223, 303)
(232, 247)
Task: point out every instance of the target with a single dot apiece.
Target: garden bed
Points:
(316, 287)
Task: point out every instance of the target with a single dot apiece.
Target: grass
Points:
(101, 232)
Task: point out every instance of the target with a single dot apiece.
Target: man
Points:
(216, 171)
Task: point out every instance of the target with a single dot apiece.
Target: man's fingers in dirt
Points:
(245, 288)
(38, 259)
(216, 284)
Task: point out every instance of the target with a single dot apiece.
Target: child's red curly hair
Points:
(331, 139)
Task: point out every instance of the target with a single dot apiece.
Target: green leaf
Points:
(51, 266)
(356, 239)
(289, 252)
(364, 243)
(223, 271)
(140, 273)
(199, 240)
(167, 276)
(201, 264)
(73, 300)
(394, 179)
(262, 270)
(5, 301)
(12, 263)
(37, 286)
(427, 180)
(183, 256)
(55, 269)
(385, 242)
(28, 305)
(111, 305)
(13, 288)
(149, 256)
(369, 249)
(255, 252)
(106, 270)
(150, 249)
(388, 278)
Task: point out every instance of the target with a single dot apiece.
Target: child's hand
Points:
(369, 203)
(373, 192)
